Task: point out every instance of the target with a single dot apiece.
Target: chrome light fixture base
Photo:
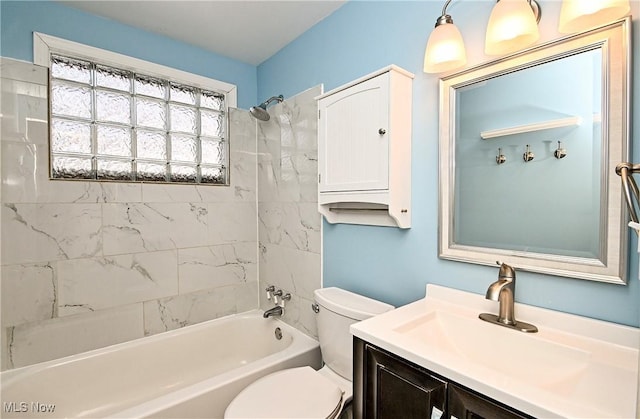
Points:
(444, 19)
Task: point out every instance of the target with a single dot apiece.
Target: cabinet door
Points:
(353, 137)
(464, 404)
(395, 389)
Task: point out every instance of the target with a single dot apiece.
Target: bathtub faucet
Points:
(276, 311)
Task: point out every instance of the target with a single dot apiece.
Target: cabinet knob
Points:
(382, 131)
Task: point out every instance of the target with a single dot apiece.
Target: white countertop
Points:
(573, 367)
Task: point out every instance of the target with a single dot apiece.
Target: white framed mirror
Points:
(528, 148)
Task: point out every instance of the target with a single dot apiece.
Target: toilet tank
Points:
(339, 309)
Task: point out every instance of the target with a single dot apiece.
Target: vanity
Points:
(435, 358)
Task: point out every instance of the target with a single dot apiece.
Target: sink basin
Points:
(574, 367)
(520, 356)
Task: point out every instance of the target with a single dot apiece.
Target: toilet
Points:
(304, 392)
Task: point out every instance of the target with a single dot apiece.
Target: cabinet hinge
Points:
(319, 178)
(318, 113)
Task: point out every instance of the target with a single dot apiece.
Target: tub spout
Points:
(276, 311)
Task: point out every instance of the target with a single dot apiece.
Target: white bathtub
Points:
(193, 372)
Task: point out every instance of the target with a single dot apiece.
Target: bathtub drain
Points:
(278, 333)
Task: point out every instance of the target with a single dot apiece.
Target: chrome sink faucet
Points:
(504, 291)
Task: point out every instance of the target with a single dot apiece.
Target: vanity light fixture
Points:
(512, 26)
(580, 15)
(445, 48)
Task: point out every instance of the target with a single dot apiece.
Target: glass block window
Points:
(113, 124)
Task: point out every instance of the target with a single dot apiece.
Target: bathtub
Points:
(192, 372)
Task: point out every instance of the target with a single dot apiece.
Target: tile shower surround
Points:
(288, 218)
(90, 264)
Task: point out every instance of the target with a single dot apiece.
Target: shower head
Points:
(260, 112)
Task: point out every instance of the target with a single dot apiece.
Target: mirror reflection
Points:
(531, 111)
(528, 145)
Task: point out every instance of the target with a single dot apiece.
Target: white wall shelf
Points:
(538, 126)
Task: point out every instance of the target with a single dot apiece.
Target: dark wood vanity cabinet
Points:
(462, 403)
(386, 386)
(395, 389)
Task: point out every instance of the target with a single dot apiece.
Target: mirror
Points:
(528, 148)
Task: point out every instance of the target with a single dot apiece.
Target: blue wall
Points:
(19, 19)
(391, 264)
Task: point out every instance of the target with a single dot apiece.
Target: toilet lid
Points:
(291, 393)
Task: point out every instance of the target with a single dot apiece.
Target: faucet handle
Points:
(506, 272)
(269, 291)
(280, 299)
(276, 297)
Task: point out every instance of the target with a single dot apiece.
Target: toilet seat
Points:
(292, 393)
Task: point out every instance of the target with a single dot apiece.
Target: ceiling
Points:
(246, 30)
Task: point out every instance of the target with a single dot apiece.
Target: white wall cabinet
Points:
(364, 150)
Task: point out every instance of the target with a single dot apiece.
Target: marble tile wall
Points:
(89, 264)
(288, 219)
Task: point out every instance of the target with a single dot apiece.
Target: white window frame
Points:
(45, 45)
